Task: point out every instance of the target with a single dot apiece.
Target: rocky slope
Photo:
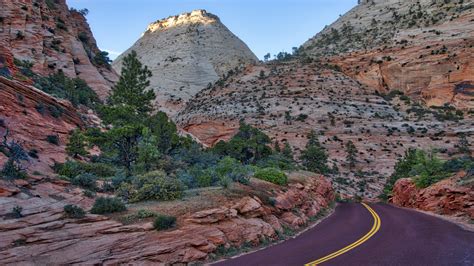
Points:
(452, 197)
(423, 48)
(185, 54)
(45, 236)
(31, 116)
(287, 100)
(51, 37)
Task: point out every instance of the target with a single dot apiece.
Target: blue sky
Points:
(264, 25)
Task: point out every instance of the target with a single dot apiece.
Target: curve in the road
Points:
(406, 238)
(373, 230)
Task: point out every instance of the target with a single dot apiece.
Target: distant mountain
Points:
(186, 53)
(423, 48)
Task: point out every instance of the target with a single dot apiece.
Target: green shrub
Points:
(73, 211)
(230, 168)
(272, 175)
(163, 222)
(107, 205)
(86, 181)
(16, 211)
(53, 139)
(156, 186)
(138, 216)
(12, 170)
(71, 169)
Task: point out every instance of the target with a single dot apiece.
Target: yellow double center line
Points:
(373, 230)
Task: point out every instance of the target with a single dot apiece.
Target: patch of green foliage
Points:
(154, 185)
(425, 168)
(75, 90)
(71, 169)
(104, 205)
(272, 175)
(73, 211)
(314, 157)
(249, 145)
(163, 222)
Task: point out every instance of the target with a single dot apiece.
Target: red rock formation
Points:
(45, 236)
(20, 107)
(423, 48)
(446, 197)
(49, 35)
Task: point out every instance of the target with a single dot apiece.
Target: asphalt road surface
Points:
(377, 235)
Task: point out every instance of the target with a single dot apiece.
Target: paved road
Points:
(405, 237)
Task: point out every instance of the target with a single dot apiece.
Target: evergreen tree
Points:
(314, 156)
(76, 144)
(463, 145)
(147, 152)
(287, 151)
(277, 146)
(128, 109)
(249, 145)
(351, 154)
(130, 100)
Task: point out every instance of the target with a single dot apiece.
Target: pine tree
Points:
(76, 144)
(351, 154)
(147, 152)
(130, 100)
(287, 151)
(314, 157)
(463, 145)
(277, 146)
(129, 108)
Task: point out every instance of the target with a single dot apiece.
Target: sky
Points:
(266, 26)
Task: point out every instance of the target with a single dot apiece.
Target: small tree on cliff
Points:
(287, 151)
(351, 154)
(314, 157)
(76, 144)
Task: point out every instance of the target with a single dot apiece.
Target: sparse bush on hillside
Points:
(153, 186)
(163, 222)
(314, 156)
(73, 211)
(107, 205)
(53, 139)
(272, 175)
(86, 181)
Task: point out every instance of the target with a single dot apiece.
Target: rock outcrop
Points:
(448, 197)
(423, 48)
(31, 116)
(52, 38)
(186, 53)
(45, 236)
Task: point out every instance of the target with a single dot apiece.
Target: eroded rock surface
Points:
(30, 116)
(52, 38)
(185, 54)
(45, 236)
(423, 48)
(448, 197)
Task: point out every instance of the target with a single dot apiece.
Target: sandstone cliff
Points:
(185, 54)
(453, 196)
(31, 116)
(52, 38)
(423, 48)
(45, 236)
